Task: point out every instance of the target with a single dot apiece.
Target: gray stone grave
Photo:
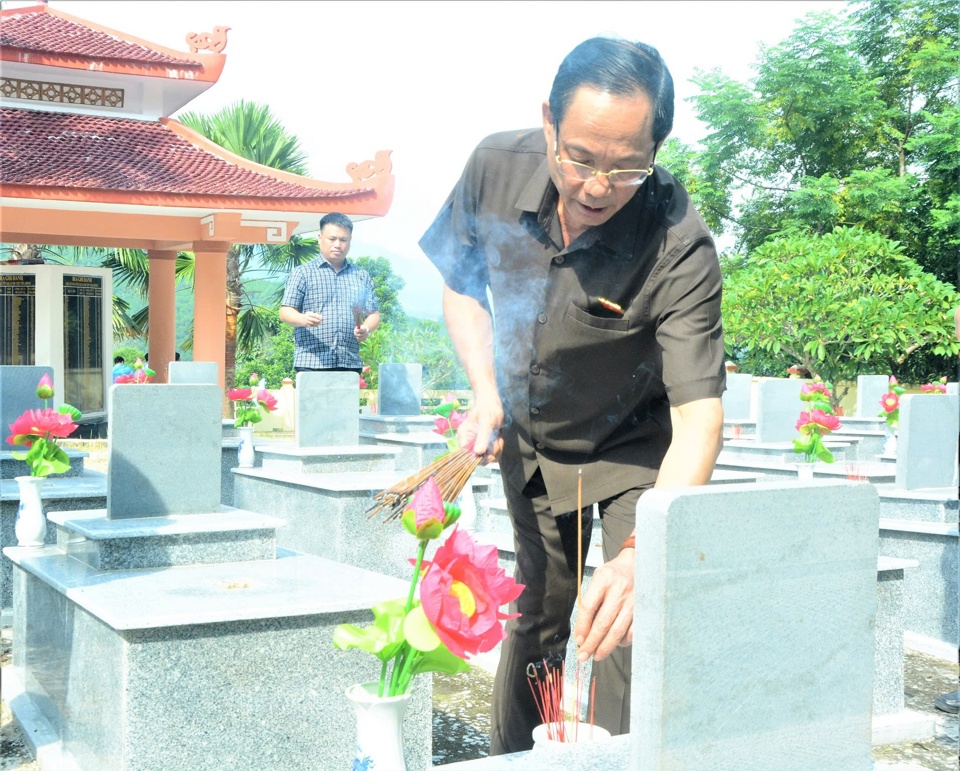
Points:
(399, 389)
(328, 409)
(778, 407)
(869, 390)
(738, 397)
(154, 468)
(927, 441)
(754, 634)
(194, 372)
(102, 626)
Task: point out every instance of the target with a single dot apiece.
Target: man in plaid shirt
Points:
(331, 304)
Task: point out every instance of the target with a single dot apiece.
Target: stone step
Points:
(417, 449)
(286, 457)
(396, 424)
(768, 469)
(227, 535)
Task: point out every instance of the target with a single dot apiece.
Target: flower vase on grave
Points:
(31, 524)
(805, 470)
(245, 453)
(379, 728)
(563, 744)
(890, 441)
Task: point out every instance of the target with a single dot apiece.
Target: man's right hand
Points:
(480, 430)
(311, 319)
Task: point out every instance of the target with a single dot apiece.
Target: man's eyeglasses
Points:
(581, 172)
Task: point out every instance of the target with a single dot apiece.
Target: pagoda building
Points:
(89, 156)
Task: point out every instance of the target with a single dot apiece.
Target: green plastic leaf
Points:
(419, 632)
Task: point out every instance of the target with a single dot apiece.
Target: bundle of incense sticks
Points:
(548, 696)
(357, 315)
(450, 472)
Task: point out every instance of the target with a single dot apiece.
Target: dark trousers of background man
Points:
(546, 549)
(328, 369)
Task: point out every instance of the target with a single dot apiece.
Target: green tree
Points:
(427, 343)
(843, 304)
(849, 121)
(251, 131)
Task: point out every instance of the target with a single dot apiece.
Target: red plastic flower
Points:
(363, 383)
(940, 387)
(124, 379)
(889, 402)
(461, 594)
(240, 394)
(40, 424)
(817, 418)
(267, 400)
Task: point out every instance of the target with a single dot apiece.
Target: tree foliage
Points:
(851, 120)
(841, 305)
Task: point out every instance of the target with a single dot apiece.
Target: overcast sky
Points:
(428, 80)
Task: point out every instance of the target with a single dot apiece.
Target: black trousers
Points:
(546, 549)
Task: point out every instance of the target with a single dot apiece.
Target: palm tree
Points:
(251, 131)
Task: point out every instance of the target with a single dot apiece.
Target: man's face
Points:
(607, 132)
(334, 244)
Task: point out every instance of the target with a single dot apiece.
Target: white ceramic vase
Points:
(379, 728)
(245, 453)
(805, 470)
(31, 525)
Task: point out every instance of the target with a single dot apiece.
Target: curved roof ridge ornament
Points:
(380, 166)
(214, 41)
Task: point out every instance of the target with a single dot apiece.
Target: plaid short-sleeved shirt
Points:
(317, 287)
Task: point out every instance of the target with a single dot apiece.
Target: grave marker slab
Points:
(778, 407)
(737, 397)
(754, 634)
(927, 441)
(327, 409)
(18, 392)
(156, 468)
(869, 390)
(194, 372)
(399, 389)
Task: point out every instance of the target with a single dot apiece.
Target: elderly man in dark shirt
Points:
(582, 293)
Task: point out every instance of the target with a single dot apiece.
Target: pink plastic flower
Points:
(817, 418)
(815, 388)
(254, 379)
(461, 594)
(363, 383)
(426, 516)
(240, 394)
(40, 424)
(123, 379)
(889, 401)
(444, 425)
(940, 387)
(267, 399)
(45, 387)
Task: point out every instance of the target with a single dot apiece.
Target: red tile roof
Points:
(58, 150)
(38, 30)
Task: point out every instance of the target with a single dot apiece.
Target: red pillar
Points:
(210, 308)
(162, 320)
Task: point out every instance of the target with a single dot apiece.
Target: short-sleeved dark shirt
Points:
(581, 386)
(317, 287)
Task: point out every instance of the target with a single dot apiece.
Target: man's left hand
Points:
(361, 333)
(605, 617)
